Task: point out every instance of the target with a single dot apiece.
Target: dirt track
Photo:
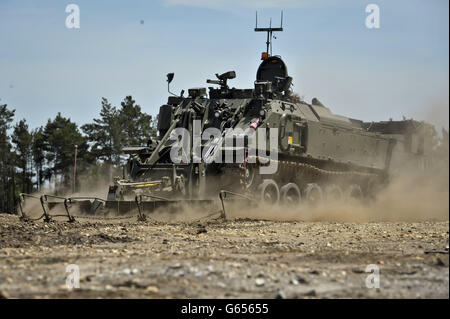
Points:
(215, 259)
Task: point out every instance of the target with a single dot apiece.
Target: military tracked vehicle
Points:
(317, 155)
(320, 155)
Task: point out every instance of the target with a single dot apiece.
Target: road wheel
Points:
(290, 194)
(269, 192)
(333, 193)
(313, 194)
(354, 192)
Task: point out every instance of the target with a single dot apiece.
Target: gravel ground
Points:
(223, 259)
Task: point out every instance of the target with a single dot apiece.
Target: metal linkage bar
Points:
(106, 218)
(88, 197)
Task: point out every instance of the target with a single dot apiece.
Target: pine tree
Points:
(37, 149)
(7, 183)
(137, 125)
(22, 140)
(60, 137)
(118, 128)
(105, 134)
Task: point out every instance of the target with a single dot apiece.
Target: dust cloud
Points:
(412, 194)
(408, 198)
(437, 112)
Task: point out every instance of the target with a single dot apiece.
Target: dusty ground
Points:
(216, 259)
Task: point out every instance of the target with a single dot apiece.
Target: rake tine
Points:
(43, 200)
(23, 216)
(141, 216)
(222, 195)
(66, 206)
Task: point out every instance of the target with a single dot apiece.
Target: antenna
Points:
(269, 31)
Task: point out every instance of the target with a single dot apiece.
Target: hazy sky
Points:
(400, 69)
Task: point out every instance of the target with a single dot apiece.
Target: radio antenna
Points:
(269, 31)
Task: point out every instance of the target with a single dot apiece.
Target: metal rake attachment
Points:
(98, 209)
(48, 202)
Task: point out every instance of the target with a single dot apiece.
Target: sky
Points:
(127, 48)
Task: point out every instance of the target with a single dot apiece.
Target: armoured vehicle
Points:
(263, 143)
(318, 154)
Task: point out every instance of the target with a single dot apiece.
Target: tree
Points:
(118, 128)
(105, 134)
(137, 125)
(22, 140)
(7, 182)
(60, 137)
(37, 149)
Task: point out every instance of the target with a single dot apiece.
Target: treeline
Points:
(31, 159)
